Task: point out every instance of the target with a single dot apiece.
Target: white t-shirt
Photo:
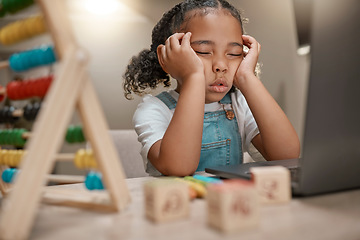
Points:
(152, 117)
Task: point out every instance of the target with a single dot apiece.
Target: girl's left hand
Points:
(247, 66)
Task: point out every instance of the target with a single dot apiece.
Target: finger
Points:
(248, 40)
(251, 43)
(167, 43)
(186, 39)
(175, 40)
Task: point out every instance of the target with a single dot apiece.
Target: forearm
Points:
(180, 148)
(278, 139)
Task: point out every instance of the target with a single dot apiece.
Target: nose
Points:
(220, 65)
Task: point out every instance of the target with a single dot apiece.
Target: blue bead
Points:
(8, 175)
(26, 60)
(93, 181)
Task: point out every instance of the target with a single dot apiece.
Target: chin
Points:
(214, 97)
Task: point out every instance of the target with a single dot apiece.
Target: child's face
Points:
(217, 40)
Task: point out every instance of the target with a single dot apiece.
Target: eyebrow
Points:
(207, 42)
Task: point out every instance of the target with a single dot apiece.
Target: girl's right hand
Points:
(177, 57)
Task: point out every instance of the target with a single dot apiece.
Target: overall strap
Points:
(166, 98)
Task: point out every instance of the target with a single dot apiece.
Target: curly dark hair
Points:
(144, 70)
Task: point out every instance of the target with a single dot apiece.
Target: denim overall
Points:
(221, 140)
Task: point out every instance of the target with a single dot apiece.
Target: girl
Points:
(219, 106)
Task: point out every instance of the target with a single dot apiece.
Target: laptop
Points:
(331, 146)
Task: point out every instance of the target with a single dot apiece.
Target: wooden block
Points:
(272, 184)
(233, 206)
(166, 200)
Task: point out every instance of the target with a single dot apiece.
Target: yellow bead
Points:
(2, 153)
(79, 159)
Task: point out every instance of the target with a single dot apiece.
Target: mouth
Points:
(220, 86)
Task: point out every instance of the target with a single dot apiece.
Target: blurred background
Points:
(113, 31)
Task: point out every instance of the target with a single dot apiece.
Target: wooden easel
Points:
(71, 89)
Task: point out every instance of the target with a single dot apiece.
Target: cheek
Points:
(234, 66)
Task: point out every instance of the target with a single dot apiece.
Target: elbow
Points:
(177, 168)
(289, 151)
(177, 172)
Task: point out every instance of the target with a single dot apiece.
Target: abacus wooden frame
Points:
(72, 81)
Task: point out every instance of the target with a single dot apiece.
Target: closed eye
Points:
(235, 55)
(202, 53)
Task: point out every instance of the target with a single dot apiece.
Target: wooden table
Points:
(331, 216)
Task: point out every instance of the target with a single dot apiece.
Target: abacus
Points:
(70, 80)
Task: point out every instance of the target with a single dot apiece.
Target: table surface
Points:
(330, 216)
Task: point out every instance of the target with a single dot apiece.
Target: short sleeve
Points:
(151, 119)
(246, 121)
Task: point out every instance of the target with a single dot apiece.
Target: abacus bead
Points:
(21, 156)
(4, 175)
(5, 137)
(10, 137)
(12, 158)
(49, 55)
(35, 110)
(1, 137)
(26, 113)
(69, 134)
(79, 159)
(2, 155)
(88, 159)
(19, 140)
(15, 62)
(98, 181)
(32, 58)
(89, 181)
(12, 89)
(78, 134)
(7, 158)
(8, 175)
(18, 157)
(93, 181)
(93, 163)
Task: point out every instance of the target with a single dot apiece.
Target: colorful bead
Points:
(26, 60)
(93, 181)
(19, 90)
(74, 134)
(13, 6)
(22, 29)
(84, 159)
(9, 174)
(12, 137)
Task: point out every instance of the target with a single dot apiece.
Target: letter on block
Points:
(233, 205)
(272, 184)
(166, 200)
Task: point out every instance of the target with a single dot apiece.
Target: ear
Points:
(160, 55)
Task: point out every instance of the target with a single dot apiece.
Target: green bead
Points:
(19, 140)
(2, 137)
(78, 133)
(70, 134)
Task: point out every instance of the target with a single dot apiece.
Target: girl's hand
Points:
(177, 57)
(247, 66)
